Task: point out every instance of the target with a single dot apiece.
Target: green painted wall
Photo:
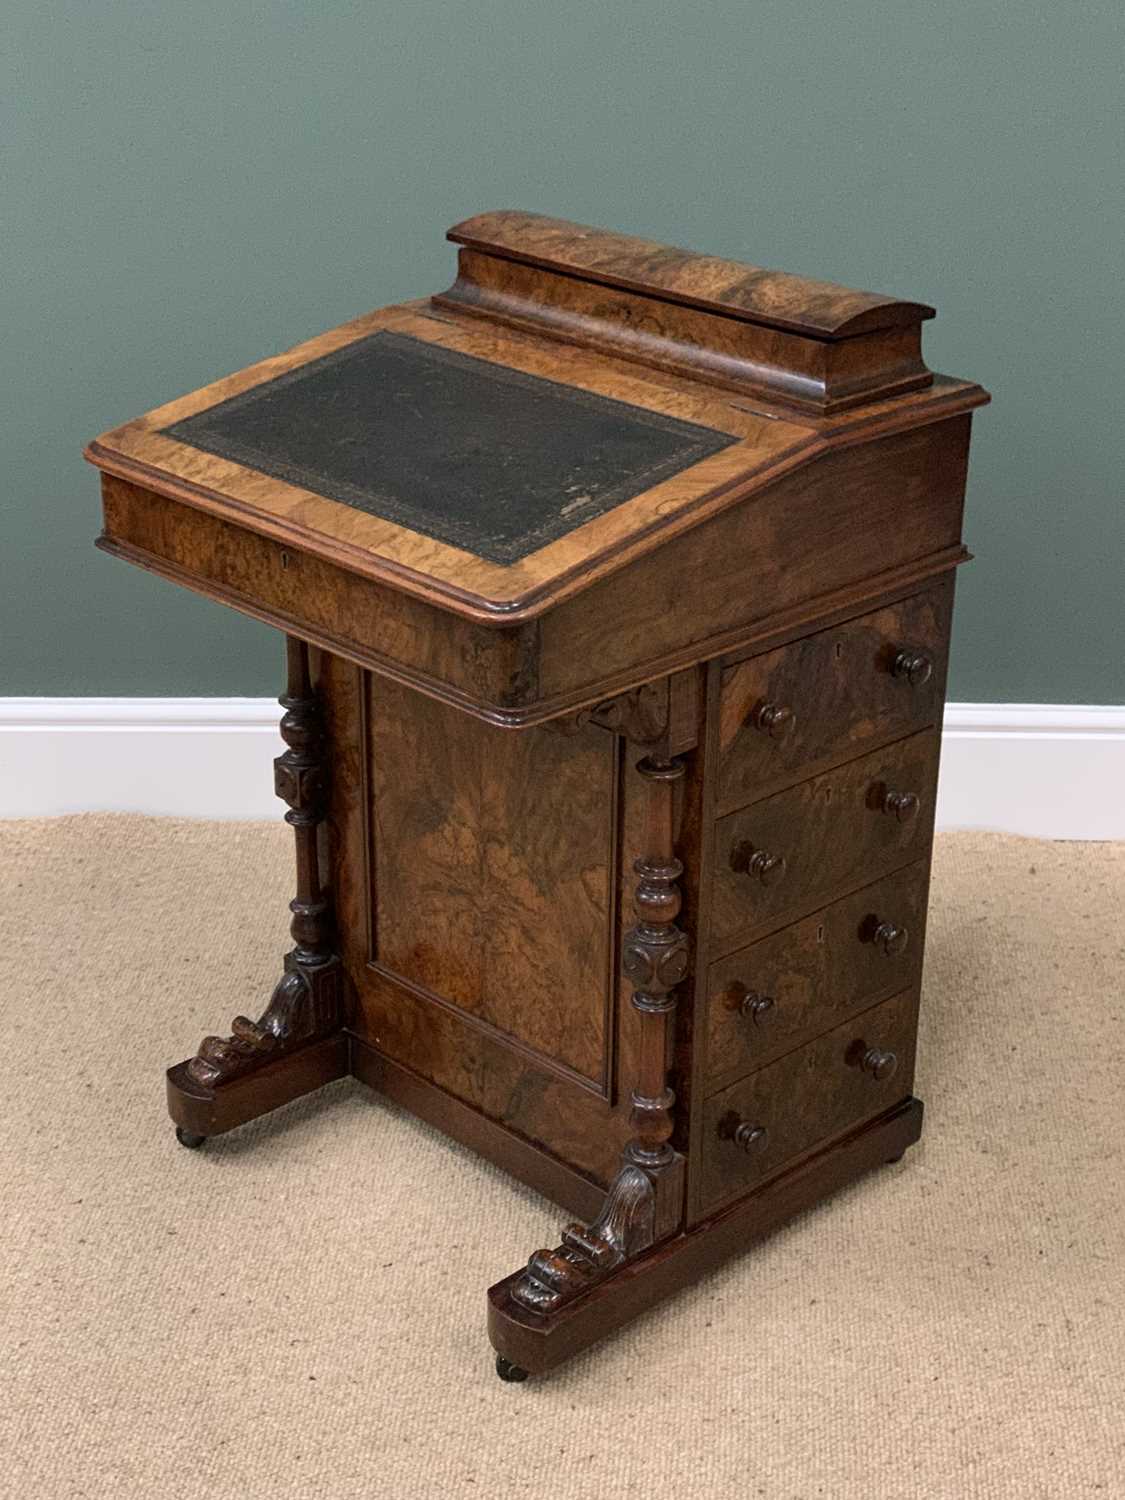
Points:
(189, 187)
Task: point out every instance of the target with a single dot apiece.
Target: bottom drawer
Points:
(847, 1076)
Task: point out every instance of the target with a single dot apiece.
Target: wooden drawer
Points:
(849, 1075)
(800, 848)
(824, 699)
(791, 986)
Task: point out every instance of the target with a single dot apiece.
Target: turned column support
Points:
(643, 1201)
(655, 960)
(299, 779)
(305, 1009)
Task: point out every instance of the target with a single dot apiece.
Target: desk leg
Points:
(297, 1044)
(644, 1203)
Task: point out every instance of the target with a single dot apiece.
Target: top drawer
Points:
(831, 696)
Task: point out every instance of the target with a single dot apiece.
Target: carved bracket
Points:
(304, 1006)
(641, 715)
(655, 957)
(625, 1227)
(306, 1003)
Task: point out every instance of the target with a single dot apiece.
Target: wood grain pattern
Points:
(790, 712)
(385, 552)
(506, 1082)
(528, 1105)
(492, 673)
(808, 1095)
(530, 1099)
(813, 375)
(524, 1159)
(808, 533)
(787, 988)
(476, 589)
(737, 290)
(828, 834)
(477, 898)
(476, 665)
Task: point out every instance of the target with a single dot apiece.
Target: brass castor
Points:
(508, 1371)
(189, 1139)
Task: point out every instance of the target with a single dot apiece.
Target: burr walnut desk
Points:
(616, 583)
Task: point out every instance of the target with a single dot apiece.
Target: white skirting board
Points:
(1049, 770)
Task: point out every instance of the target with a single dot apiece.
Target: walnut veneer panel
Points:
(809, 343)
(457, 1058)
(780, 551)
(477, 898)
(819, 308)
(475, 664)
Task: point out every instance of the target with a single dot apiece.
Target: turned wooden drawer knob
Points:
(774, 719)
(914, 667)
(891, 938)
(758, 1008)
(750, 1138)
(768, 868)
(901, 805)
(879, 1065)
(758, 864)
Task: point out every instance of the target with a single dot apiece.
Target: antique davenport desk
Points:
(616, 583)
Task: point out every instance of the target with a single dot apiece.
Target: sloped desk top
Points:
(489, 457)
(463, 450)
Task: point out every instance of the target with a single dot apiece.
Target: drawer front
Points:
(849, 1075)
(798, 849)
(833, 695)
(789, 987)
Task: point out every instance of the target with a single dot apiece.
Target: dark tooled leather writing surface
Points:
(485, 458)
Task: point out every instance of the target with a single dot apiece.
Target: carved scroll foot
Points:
(541, 1340)
(566, 1298)
(296, 1046)
(304, 1007)
(298, 1042)
(625, 1227)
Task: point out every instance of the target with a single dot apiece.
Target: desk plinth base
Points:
(531, 1343)
(535, 1343)
(202, 1112)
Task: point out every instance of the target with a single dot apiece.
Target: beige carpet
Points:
(298, 1309)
